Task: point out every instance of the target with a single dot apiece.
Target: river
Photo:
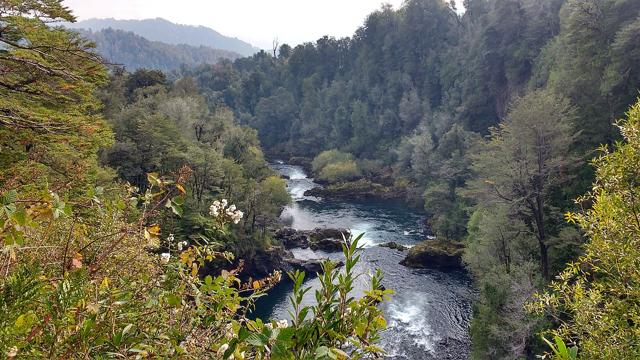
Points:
(428, 316)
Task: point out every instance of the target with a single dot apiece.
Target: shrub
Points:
(340, 171)
(107, 285)
(329, 157)
(595, 300)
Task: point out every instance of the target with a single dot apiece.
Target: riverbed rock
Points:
(434, 254)
(329, 240)
(394, 245)
(310, 267)
(292, 238)
(264, 262)
(327, 245)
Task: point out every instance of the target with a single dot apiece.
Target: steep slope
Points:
(170, 33)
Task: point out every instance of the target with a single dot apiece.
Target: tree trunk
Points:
(542, 237)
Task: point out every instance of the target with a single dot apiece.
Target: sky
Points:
(255, 21)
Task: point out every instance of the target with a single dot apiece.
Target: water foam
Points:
(409, 317)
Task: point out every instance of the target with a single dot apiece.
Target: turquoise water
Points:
(428, 316)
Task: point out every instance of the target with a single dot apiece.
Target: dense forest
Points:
(129, 211)
(132, 202)
(135, 52)
(487, 119)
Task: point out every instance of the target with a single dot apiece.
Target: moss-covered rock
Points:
(394, 245)
(434, 254)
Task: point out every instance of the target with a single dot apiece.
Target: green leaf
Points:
(173, 300)
(9, 197)
(232, 348)
(257, 340)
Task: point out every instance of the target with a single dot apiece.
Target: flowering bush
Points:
(223, 214)
(88, 278)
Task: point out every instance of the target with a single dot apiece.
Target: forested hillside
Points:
(135, 52)
(129, 208)
(133, 206)
(167, 32)
(487, 119)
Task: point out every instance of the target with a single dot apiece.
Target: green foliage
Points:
(560, 349)
(160, 127)
(49, 123)
(340, 171)
(522, 162)
(329, 157)
(103, 294)
(86, 269)
(320, 331)
(335, 166)
(594, 299)
(514, 225)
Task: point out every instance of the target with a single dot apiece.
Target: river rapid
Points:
(427, 317)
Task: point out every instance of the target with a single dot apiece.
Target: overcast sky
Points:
(255, 21)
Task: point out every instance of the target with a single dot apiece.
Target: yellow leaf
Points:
(181, 188)
(341, 355)
(194, 270)
(154, 229)
(93, 308)
(105, 283)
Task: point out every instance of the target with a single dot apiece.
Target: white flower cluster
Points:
(280, 324)
(165, 257)
(220, 207)
(182, 245)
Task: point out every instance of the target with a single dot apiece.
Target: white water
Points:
(428, 315)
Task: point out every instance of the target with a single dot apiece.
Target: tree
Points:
(595, 300)
(49, 122)
(526, 156)
(144, 78)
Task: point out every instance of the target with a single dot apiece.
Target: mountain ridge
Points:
(163, 30)
(134, 51)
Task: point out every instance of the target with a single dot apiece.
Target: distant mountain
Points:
(170, 33)
(134, 51)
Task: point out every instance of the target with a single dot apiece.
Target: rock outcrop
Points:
(265, 262)
(394, 245)
(311, 267)
(328, 240)
(434, 254)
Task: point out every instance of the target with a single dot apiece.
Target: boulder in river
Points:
(310, 267)
(394, 245)
(327, 245)
(434, 254)
(329, 240)
(265, 262)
